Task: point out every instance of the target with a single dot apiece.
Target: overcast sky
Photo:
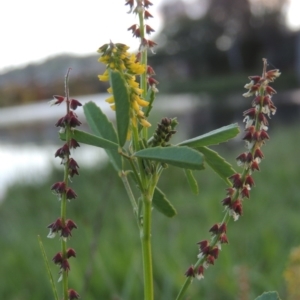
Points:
(32, 30)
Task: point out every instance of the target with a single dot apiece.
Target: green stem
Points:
(64, 196)
(129, 192)
(184, 288)
(145, 236)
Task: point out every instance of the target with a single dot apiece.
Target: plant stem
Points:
(145, 235)
(185, 286)
(64, 197)
(129, 193)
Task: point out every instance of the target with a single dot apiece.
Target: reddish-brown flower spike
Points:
(200, 272)
(272, 74)
(203, 244)
(72, 294)
(137, 33)
(255, 79)
(270, 90)
(73, 120)
(263, 119)
(63, 151)
(251, 112)
(70, 224)
(223, 239)
(74, 144)
(258, 154)
(190, 272)
(214, 252)
(74, 104)
(230, 191)
(151, 44)
(73, 172)
(71, 253)
(133, 28)
(65, 232)
(236, 180)
(249, 181)
(226, 201)
(249, 157)
(147, 3)
(245, 193)
(65, 265)
(236, 206)
(210, 260)
(214, 229)
(147, 15)
(57, 100)
(73, 164)
(152, 81)
(61, 122)
(59, 187)
(256, 101)
(223, 228)
(264, 135)
(205, 250)
(130, 3)
(58, 258)
(70, 194)
(56, 226)
(149, 29)
(241, 159)
(254, 166)
(256, 136)
(150, 71)
(248, 136)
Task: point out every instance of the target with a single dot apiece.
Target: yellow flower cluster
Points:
(116, 57)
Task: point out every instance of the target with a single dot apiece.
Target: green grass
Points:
(108, 263)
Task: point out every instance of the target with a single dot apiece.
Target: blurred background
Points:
(206, 51)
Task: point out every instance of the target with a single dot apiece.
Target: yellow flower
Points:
(111, 99)
(142, 102)
(138, 91)
(104, 76)
(109, 90)
(140, 113)
(145, 123)
(137, 68)
(135, 106)
(104, 59)
(132, 82)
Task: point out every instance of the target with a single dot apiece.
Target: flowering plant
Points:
(140, 157)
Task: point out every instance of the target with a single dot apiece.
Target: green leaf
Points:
(103, 128)
(214, 137)
(48, 268)
(122, 102)
(162, 204)
(90, 139)
(192, 181)
(268, 296)
(217, 163)
(182, 157)
(99, 123)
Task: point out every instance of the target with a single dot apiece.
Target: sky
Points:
(33, 30)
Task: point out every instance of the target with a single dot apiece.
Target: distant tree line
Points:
(203, 46)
